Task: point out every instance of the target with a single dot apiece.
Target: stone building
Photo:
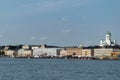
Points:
(24, 53)
(52, 52)
(104, 52)
(77, 52)
(9, 53)
(74, 52)
(87, 53)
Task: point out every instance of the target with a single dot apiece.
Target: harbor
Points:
(106, 50)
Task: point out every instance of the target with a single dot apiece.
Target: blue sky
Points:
(58, 22)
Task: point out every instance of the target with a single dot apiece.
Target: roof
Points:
(108, 33)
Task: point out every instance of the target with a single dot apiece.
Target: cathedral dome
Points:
(108, 33)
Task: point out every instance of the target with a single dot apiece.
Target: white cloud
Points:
(39, 7)
(46, 5)
(54, 4)
(43, 38)
(33, 38)
(66, 31)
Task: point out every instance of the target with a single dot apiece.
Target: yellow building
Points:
(87, 52)
(115, 55)
(76, 52)
(24, 53)
(9, 53)
(63, 53)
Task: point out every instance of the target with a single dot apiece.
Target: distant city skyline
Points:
(58, 22)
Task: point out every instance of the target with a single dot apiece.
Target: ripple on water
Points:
(37, 69)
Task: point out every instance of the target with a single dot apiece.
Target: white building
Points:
(35, 47)
(25, 47)
(45, 52)
(108, 41)
(9, 53)
(24, 53)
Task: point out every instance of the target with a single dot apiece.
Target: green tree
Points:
(2, 53)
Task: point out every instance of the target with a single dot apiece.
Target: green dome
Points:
(108, 33)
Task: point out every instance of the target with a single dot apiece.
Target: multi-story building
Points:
(104, 52)
(25, 47)
(9, 53)
(34, 47)
(53, 52)
(87, 52)
(63, 53)
(115, 55)
(77, 52)
(24, 53)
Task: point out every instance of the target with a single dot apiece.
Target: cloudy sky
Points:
(58, 22)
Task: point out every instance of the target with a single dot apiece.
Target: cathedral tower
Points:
(108, 38)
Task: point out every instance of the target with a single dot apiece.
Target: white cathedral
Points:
(108, 41)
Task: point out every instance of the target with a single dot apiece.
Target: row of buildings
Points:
(106, 50)
(67, 52)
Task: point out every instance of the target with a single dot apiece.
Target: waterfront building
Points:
(24, 53)
(6, 48)
(74, 52)
(115, 55)
(87, 52)
(108, 41)
(34, 47)
(9, 53)
(52, 52)
(104, 52)
(43, 46)
(63, 53)
(25, 47)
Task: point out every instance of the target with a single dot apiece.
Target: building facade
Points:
(104, 52)
(108, 41)
(9, 53)
(45, 52)
(115, 55)
(63, 53)
(24, 53)
(87, 52)
(74, 52)
(77, 52)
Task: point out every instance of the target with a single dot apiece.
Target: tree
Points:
(2, 53)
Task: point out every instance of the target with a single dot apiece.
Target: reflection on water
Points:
(55, 69)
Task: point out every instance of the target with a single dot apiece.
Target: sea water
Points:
(58, 69)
